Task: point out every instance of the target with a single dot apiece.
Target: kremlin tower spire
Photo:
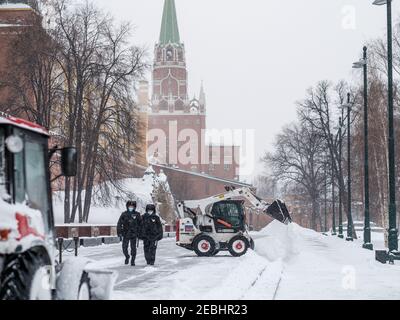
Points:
(169, 27)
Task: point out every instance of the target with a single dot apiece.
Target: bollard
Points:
(76, 241)
(60, 248)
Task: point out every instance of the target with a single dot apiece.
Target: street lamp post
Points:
(340, 185)
(333, 196)
(367, 226)
(326, 199)
(393, 232)
(349, 216)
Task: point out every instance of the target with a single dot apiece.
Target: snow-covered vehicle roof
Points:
(23, 124)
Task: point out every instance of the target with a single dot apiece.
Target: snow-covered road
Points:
(289, 263)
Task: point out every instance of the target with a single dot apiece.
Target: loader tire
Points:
(84, 292)
(25, 277)
(238, 246)
(204, 246)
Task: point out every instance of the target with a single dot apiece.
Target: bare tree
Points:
(77, 77)
(266, 186)
(299, 159)
(100, 69)
(320, 110)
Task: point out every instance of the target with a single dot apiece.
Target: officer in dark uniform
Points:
(129, 227)
(152, 232)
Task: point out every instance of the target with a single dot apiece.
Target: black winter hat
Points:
(150, 207)
(131, 204)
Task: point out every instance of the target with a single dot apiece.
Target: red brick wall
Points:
(22, 18)
(218, 161)
(227, 160)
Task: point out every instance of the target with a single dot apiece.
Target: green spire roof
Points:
(169, 27)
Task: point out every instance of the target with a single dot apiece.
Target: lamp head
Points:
(380, 2)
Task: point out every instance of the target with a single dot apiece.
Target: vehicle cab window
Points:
(228, 212)
(30, 174)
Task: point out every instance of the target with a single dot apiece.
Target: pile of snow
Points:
(279, 241)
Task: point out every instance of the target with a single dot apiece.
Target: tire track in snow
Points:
(254, 282)
(277, 287)
(266, 286)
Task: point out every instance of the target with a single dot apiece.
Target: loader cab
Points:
(229, 216)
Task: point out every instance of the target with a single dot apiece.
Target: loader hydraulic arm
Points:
(276, 210)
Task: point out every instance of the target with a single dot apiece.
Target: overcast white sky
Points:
(258, 57)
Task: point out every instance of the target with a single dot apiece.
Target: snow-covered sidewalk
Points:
(289, 263)
(326, 267)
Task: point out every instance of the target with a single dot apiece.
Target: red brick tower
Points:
(177, 125)
(171, 110)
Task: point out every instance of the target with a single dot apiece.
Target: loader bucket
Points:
(279, 211)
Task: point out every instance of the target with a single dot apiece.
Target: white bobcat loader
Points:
(218, 223)
(28, 267)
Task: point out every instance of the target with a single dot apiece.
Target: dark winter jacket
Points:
(129, 225)
(152, 229)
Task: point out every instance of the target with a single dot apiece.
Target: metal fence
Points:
(72, 245)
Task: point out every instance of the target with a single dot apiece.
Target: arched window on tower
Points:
(159, 55)
(179, 105)
(170, 54)
(180, 55)
(163, 105)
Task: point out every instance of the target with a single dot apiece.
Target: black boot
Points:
(133, 263)
(127, 260)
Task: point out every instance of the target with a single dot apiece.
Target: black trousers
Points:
(125, 246)
(150, 248)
